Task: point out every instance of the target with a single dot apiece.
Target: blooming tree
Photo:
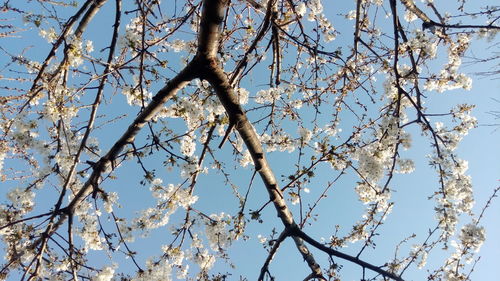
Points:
(289, 91)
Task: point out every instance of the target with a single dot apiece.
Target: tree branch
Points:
(333, 252)
(214, 74)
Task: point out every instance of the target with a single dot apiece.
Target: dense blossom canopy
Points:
(120, 119)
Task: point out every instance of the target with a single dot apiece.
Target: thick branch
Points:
(167, 92)
(410, 5)
(218, 79)
(214, 74)
(333, 252)
(211, 18)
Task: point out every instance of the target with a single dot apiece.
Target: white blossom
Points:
(22, 199)
(315, 8)
(246, 159)
(216, 232)
(89, 46)
(305, 134)
(268, 96)
(178, 45)
(301, 9)
(50, 35)
(472, 236)
(410, 16)
(406, 166)
(132, 36)
(106, 274)
(111, 199)
(242, 95)
(204, 260)
(2, 159)
(262, 239)
(188, 145)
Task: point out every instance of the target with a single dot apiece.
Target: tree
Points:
(239, 80)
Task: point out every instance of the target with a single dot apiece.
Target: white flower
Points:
(106, 274)
(50, 35)
(204, 260)
(89, 46)
(2, 158)
(175, 254)
(155, 271)
(472, 236)
(157, 181)
(410, 16)
(188, 146)
(182, 273)
(135, 96)
(351, 15)
(315, 6)
(405, 140)
(371, 165)
(23, 199)
(111, 198)
(186, 199)
(75, 52)
(423, 259)
(133, 32)
(178, 45)
(419, 252)
(301, 9)
(125, 231)
(190, 167)
(216, 232)
(242, 95)
(305, 134)
(262, 239)
(246, 159)
(464, 81)
(331, 130)
(406, 166)
(151, 218)
(89, 232)
(366, 193)
(268, 96)
(297, 104)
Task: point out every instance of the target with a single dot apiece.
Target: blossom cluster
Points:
(449, 78)
(422, 44)
(471, 238)
(375, 159)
